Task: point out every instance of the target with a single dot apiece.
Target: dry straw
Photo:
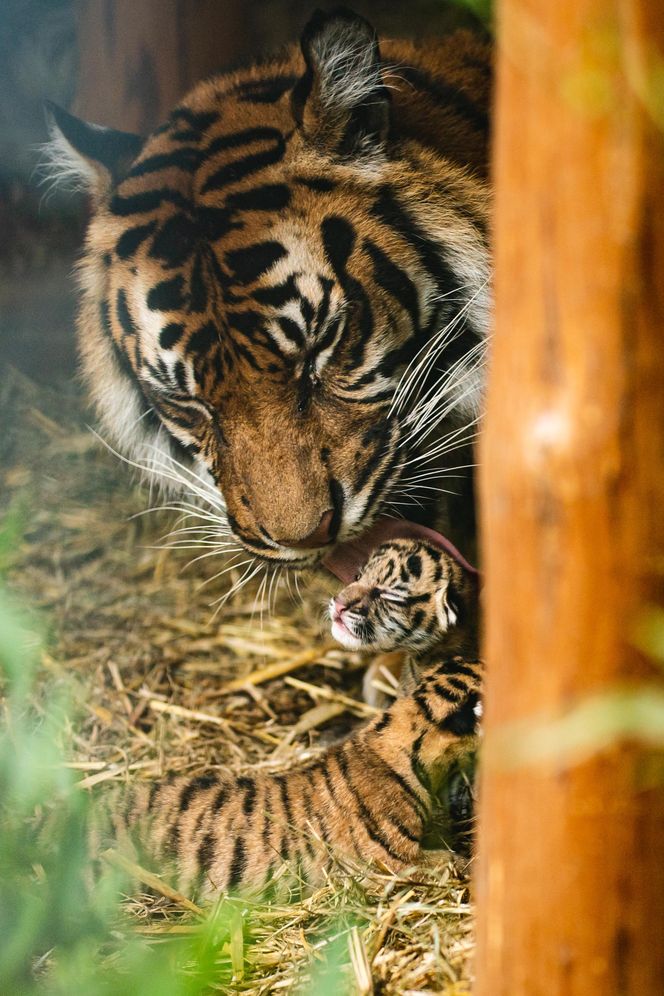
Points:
(161, 688)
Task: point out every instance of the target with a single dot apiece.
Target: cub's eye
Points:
(393, 596)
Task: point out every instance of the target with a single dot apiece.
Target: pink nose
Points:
(339, 607)
(321, 536)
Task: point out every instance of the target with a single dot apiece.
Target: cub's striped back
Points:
(369, 799)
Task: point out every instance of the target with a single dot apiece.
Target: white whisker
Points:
(216, 552)
(258, 597)
(243, 581)
(420, 365)
(440, 401)
(428, 410)
(288, 586)
(417, 358)
(274, 583)
(428, 472)
(186, 510)
(173, 471)
(220, 574)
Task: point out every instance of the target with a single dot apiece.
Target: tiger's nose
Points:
(356, 607)
(321, 535)
(339, 607)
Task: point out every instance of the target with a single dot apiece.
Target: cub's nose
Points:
(354, 607)
(339, 607)
(321, 536)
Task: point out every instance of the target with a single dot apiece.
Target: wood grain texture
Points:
(570, 880)
(139, 57)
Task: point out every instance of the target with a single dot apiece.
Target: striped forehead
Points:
(299, 295)
(406, 561)
(307, 322)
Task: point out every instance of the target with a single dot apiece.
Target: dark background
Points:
(122, 63)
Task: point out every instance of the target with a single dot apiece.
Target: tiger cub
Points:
(409, 600)
(369, 798)
(410, 595)
(414, 602)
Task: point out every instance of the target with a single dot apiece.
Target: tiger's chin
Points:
(348, 539)
(350, 641)
(285, 560)
(343, 635)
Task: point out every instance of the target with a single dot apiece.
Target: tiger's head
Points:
(409, 595)
(260, 272)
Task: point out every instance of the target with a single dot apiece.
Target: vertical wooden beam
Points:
(139, 57)
(570, 880)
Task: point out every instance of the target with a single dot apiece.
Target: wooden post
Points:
(570, 879)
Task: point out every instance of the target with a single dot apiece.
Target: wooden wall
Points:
(138, 57)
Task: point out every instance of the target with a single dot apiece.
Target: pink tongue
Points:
(347, 559)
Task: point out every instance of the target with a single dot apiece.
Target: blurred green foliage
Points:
(12, 529)
(62, 933)
(481, 9)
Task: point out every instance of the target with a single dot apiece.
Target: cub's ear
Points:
(86, 156)
(341, 104)
(448, 607)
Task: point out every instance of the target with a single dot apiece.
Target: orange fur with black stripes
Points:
(368, 798)
(261, 271)
(285, 305)
(410, 595)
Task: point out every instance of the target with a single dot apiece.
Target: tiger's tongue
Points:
(347, 559)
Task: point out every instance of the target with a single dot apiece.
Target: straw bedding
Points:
(161, 685)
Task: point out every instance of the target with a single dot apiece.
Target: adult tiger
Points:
(285, 306)
(259, 273)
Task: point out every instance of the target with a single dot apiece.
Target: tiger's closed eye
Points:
(393, 596)
(308, 384)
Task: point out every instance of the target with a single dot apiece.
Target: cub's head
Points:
(258, 274)
(409, 595)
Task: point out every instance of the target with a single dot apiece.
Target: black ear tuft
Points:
(450, 607)
(455, 604)
(89, 154)
(341, 104)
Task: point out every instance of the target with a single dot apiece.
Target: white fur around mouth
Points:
(343, 635)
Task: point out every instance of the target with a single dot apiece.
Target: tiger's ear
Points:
(341, 104)
(448, 609)
(86, 156)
